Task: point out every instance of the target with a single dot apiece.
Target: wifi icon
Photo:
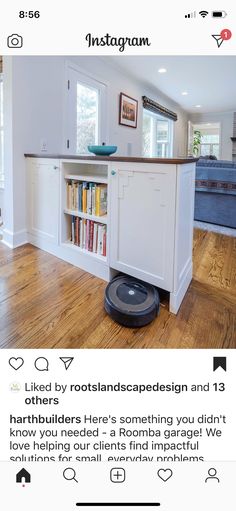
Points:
(203, 14)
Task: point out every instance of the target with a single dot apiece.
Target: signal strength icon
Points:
(191, 15)
(203, 14)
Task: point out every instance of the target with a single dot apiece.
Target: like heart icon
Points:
(165, 474)
(16, 363)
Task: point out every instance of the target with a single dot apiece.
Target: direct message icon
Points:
(67, 361)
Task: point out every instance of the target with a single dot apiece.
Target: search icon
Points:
(70, 474)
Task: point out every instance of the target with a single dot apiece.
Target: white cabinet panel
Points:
(143, 222)
(43, 213)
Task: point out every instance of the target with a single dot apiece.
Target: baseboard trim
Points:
(14, 239)
(177, 297)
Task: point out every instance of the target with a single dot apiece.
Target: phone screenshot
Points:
(117, 256)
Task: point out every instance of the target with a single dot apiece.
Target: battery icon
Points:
(219, 14)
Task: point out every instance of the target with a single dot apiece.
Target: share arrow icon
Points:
(67, 361)
(225, 35)
(218, 39)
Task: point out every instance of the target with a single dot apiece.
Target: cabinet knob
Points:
(55, 168)
(113, 172)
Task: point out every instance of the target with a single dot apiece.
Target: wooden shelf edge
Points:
(87, 216)
(69, 244)
(90, 179)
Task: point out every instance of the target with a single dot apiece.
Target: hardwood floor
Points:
(47, 303)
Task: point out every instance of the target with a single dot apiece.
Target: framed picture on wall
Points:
(128, 111)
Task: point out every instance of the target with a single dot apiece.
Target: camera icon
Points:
(15, 41)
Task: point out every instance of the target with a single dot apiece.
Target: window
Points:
(157, 136)
(1, 133)
(210, 139)
(210, 145)
(87, 118)
(86, 112)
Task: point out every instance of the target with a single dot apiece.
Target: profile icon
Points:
(212, 475)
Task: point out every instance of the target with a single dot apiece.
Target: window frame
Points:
(210, 122)
(154, 142)
(211, 148)
(98, 114)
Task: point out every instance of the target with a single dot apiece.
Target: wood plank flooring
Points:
(48, 303)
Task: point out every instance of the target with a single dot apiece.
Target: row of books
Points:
(90, 198)
(89, 235)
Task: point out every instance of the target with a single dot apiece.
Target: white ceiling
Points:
(209, 81)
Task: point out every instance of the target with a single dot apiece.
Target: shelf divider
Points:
(80, 214)
(89, 179)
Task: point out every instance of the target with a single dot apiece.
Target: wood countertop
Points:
(132, 159)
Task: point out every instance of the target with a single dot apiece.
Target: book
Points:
(89, 235)
(99, 243)
(69, 203)
(84, 198)
(104, 251)
(77, 231)
(73, 229)
(84, 233)
(80, 233)
(89, 199)
(95, 237)
(80, 193)
(91, 232)
(101, 200)
(93, 199)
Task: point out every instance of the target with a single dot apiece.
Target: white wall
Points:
(104, 69)
(8, 148)
(42, 82)
(2, 200)
(34, 97)
(226, 123)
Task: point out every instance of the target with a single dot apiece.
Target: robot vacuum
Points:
(131, 302)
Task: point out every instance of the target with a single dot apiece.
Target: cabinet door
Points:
(43, 189)
(143, 222)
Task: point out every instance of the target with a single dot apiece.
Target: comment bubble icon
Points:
(41, 364)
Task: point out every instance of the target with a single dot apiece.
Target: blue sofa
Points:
(215, 195)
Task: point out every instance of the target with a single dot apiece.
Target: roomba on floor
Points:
(131, 302)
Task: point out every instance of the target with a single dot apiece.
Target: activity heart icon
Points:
(165, 474)
(16, 363)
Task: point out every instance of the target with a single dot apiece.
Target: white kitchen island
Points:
(149, 221)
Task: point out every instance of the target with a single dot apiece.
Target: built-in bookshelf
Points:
(167, 192)
(85, 202)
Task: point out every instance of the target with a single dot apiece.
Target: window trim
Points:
(209, 144)
(211, 121)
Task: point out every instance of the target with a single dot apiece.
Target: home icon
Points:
(23, 476)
